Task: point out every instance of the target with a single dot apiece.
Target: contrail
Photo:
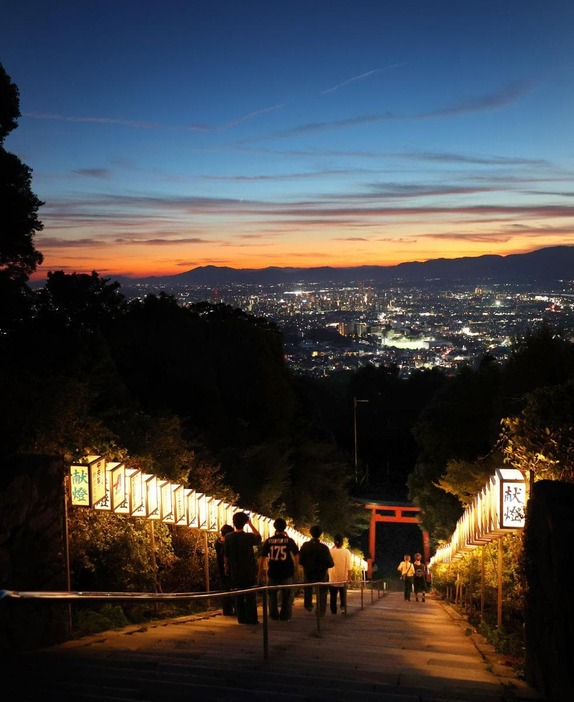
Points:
(362, 76)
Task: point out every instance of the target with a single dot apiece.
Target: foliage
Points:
(187, 573)
(541, 439)
(199, 396)
(110, 552)
(386, 448)
(18, 205)
(465, 479)
(9, 104)
(319, 491)
(466, 573)
(542, 357)
(520, 413)
(80, 300)
(90, 621)
(439, 510)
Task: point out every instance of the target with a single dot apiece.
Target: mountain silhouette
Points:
(548, 266)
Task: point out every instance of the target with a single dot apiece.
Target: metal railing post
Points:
(317, 609)
(265, 602)
(362, 593)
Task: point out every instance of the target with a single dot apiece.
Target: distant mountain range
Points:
(548, 266)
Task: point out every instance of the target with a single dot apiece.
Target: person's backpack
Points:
(419, 570)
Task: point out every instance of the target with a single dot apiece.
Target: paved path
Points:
(390, 651)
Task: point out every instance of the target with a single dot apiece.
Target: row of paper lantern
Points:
(498, 509)
(111, 486)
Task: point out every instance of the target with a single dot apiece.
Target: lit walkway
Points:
(391, 651)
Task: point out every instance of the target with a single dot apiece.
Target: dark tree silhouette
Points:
(18, 216)
(18, 204)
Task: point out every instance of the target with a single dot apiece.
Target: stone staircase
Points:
(390, 651)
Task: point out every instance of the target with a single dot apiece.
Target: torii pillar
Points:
(397, 513)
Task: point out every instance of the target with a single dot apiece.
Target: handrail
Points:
(63, 596)
(154, 596)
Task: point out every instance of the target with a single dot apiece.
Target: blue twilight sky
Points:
(169, 135)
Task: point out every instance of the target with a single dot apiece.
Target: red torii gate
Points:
(398, 513)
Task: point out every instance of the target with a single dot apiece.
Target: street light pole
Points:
(355, 403)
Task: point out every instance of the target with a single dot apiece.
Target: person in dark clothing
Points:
(315, 559)
(241, 566)
(279, 553)
(227, 604)
(420, 577)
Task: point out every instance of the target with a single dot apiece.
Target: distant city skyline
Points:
(165, 137)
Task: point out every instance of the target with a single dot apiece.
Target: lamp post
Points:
(355, 403)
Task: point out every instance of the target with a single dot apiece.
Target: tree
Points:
(542, 357)
(541, 439)
(456, 430)
(18, 217)
(80, 300)
(18, 204)
(465, 479)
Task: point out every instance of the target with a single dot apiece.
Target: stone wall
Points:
(32, 551)
(549, 563)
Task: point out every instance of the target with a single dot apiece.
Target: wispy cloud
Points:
(476, 237)
(96, 120)
(233, 123)
(501, 98)
(361, 77)
(351, 238)
(195, 127)
(156, 210)
(164, 241)
(416, 190)
(309, 175)
(447, 157)
(313, 127)
(481, 103)
(54, 242)
(93, 172)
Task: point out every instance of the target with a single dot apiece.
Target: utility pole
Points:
(355, 403)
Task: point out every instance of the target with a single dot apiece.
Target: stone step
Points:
(391, 651)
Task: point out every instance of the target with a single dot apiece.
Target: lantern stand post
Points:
(67, 547)
(206, 565)
(499, 603)
(482, 582)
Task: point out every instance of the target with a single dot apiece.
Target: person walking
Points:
(227, 604)
(407, 571)
(279, 554)
(241, 566)
(420, 577)
(315, 559)
(340, 573)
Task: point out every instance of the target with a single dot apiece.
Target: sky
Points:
(169, 135)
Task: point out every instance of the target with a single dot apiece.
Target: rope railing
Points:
(263, 590)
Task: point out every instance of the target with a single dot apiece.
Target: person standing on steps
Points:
(420, 577)
(280, 554)
(315, 559)
(241, 566)
(407, 571)
(340, 573)
(227, 604)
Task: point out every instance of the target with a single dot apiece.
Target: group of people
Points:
(414, 575)
(279, 560)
